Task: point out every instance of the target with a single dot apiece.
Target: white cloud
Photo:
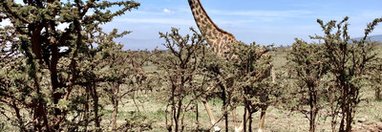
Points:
(168, 11)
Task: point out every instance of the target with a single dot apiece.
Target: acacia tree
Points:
(243, 80)
(308, 69)
(256, 86)
(14, 82)
(375, 76)
(180, 67)
(221, 78)
(117, 73)
(40, 96)
(348, 62)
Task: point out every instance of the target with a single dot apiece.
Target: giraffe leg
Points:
(210, 115)
(240, 127)
(262, 120)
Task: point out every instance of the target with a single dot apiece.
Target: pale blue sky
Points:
(262, 21)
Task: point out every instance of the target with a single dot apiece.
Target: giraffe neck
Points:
(217, 38)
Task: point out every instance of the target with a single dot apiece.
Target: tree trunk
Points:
(86, 107)
(312, 122)
(178, 125)
(333, 112)
(197, 116)
(313, 107)
(244, 119)
(378, 95)
(115, 102)
(97, 118)
(250, 120)
(349, 119)
(225, 111)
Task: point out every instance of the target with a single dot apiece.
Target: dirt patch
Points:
(368, 127)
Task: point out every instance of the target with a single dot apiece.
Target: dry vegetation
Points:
(79, 79)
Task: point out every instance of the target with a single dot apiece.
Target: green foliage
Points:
(308, 68)
(348, 63)
(342, 62)
(254, 81)
(61, 72)
(190, 73)
(253, 75)
(375, 77)
(180, 67)
(50, 77)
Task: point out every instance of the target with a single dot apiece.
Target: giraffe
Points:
(218, 39)
(221, 42)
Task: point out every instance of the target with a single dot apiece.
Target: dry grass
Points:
(277, 119)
